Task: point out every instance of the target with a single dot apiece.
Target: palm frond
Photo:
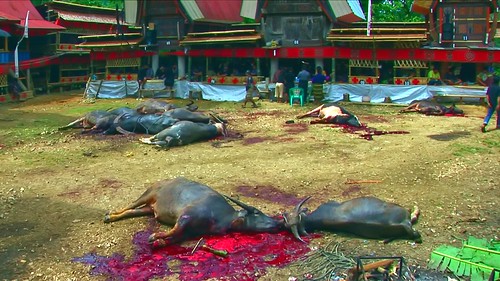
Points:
(478, 259)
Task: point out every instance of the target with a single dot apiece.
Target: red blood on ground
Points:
(366, 132)
(269, 193)
(454, 115)
(295, 128)
(249, 257)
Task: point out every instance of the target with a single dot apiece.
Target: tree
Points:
(95, 3)
(391, 11)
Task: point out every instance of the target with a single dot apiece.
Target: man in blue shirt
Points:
(304, 76)
(493, 97)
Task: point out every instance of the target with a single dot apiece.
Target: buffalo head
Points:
(293, 220)
(454, 110)
(250, 219)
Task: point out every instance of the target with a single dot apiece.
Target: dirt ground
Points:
(57, 186)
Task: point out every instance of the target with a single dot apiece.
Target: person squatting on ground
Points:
(250, 88)
(434, 77)
(493, 97)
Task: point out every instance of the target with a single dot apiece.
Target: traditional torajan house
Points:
(13, 15)
(241, 34)
(326, 33)
(96, 42)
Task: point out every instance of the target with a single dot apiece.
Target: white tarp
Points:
(111, 89)
(217, 92)
(400, 94)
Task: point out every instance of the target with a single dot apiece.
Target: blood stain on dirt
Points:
(110, 183)
(367, 133)
(69, 194)
(254, 140)
(268, 193)
(295, 128)
(351, 189)
(375, 118)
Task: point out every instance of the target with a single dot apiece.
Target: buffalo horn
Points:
(297, 208)
(72, 123)
(297, 212)
(242, 205)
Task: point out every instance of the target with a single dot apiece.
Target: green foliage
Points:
(95, 3)
(476, 259)
(392, 11)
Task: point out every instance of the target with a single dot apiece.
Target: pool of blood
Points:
(249, 257)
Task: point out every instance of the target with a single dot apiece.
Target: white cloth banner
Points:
(217, 92)
(400, 94)
(111, 89)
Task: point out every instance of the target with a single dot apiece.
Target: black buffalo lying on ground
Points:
(154, 106)
(331, 113)
(366, 217)
(429, 107)
(98, 121)
(193, 209)
(186, 132)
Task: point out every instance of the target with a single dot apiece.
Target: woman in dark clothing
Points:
(169, 78)
(493, 97)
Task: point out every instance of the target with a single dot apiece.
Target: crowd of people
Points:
(167, 74)
(285, 79)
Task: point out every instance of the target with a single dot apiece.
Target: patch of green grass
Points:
(462, 150)
(492, 142)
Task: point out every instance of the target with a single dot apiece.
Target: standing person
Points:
(150, 74)
(169, 78)
(250, 87)
(304, 76)
(493, 97)
(279, 80)
(141, 76)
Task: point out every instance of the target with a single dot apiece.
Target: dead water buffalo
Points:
(183, 114)
(330, 113)
(154, 106)
(366, 217)
(123, 110)
(193, 209)
(94, 121)
(431, 108)
(143, 124)
(185, 132)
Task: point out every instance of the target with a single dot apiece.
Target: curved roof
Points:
(221, 11)
(18, 9)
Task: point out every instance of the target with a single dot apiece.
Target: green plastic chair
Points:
(296, 93)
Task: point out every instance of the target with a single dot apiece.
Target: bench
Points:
(155, 87)
(482, 98)
(461, 93)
